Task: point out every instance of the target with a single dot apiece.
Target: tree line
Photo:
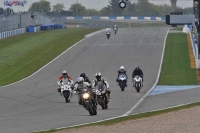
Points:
(141, 8)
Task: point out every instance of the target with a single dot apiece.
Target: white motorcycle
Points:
(122, 79)
(137, 83)
(66, 91)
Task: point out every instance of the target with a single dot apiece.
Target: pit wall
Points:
(188, 29)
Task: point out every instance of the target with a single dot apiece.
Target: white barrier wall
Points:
(188, 29)
(7, 34)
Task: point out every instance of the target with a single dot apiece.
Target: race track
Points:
(34, 104)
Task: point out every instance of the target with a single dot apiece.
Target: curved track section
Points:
(34, 103)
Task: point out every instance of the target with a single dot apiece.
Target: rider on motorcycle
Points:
(80, 85)
(122, 71)
(115, 26)
(100, 80)
(64, 77)
(139, 72)
(86, 79)
(108, 31)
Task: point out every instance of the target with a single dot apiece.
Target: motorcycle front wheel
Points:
(89, 108)
(67, 96)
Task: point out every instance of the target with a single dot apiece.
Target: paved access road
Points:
(34, 104)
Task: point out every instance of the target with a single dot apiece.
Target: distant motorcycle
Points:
(115, 30)
(122, 81)
(88, 101)
(137, 83)
(66, 91)
(102, 96)
(108, 35)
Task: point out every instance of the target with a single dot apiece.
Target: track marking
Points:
(138, 103)
(166, 108)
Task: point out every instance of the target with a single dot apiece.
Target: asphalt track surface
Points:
(168, 100)
(34, 103)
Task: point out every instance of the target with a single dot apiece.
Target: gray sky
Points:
(96, 4)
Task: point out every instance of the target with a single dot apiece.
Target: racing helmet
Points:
(82, 75)
(98, 76)
(64, 73)
(137, 67)
(122, 68)
(80, 80)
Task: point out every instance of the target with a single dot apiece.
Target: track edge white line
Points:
(161, 62)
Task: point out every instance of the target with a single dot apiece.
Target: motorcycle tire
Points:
(106, 106)
(138, 89)
(102, 103)
(95, 111)
(67, 95)
(89, 108)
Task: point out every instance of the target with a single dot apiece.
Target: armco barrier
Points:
(153, 18)
(127, 17)
(7, 34)
(95, 17)
(119, 17)
(141, 18)
(112, 17)
(51, 26)
(195, 47)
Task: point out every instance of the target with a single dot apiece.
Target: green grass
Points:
(178, 28)
(176, 68)
(22, 55)
(130, 117)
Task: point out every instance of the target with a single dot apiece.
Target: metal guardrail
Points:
(15, 21)
(88, 22)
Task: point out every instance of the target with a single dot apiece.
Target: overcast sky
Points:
(96, 4)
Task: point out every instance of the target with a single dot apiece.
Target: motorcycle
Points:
(88, 101)
(102, 96)
(122, 81)
(137, 83)
(66, 91)
(115, 30)
(108, 35)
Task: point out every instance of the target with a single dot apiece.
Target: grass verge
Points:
(130, 117)
(176, 68)
(178, 28)
(22, 55)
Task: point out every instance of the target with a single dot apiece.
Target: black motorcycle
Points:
(102, 96)
(88, 101)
